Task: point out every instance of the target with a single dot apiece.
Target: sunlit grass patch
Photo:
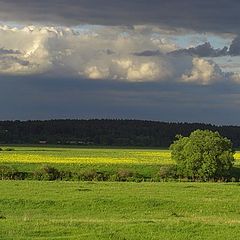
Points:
(145, 211)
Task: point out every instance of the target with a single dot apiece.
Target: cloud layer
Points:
(197, 15)
(146, 59)
(108, 53)
(41, 97)
(203, 50)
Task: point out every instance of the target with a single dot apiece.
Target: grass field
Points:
(112, 210)
(119, 211)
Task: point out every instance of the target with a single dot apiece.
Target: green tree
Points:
(203, 155)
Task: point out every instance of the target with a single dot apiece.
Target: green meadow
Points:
(112, 210)
(126, 211)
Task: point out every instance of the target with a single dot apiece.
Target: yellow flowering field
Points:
(89, 156)
(85, 156)
(237, 157)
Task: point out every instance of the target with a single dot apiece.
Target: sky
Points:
(164, 60)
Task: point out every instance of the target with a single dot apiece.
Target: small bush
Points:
(113, 178)
(66, 175)
(89, 175)
(7, 173)
(10, 173)
(102, 176)
(9, 149)
(92, 175)
(47, 173)
(124, 175)
(20, 175)
(167, 172)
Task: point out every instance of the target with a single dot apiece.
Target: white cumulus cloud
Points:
(203, 71)
(109, 53)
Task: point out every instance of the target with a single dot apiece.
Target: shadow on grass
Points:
(235, 172)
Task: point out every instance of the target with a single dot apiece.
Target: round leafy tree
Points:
(203, 155)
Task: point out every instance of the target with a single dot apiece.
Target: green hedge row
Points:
(49, 173)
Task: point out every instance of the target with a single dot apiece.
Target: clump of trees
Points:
(203, 155)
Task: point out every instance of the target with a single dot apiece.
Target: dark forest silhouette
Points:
(105, 132)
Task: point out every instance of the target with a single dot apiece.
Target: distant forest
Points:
(104, 132)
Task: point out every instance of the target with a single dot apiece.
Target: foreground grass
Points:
(130, 211)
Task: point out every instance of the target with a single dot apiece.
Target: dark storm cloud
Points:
(61, 94)
(234, 49)
(148, 53)
(200, 15)
(203, 50)
(8, 61)
(9, 51)
(45, 98)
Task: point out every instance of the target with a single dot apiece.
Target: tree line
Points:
(105, 132)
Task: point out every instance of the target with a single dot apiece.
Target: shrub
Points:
(167, 172)
(203, 155)
(123, 175)
(92, 175)
(89, 175)
(7, 172)
(9, 149)
(47, 173)
(66, 175)
(10, 173)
